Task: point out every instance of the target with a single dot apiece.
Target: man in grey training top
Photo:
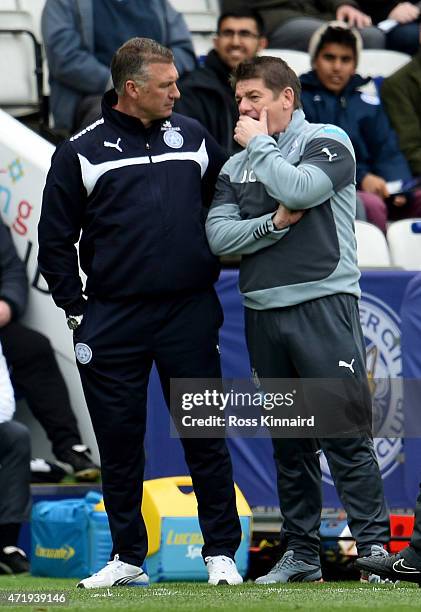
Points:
(287, 205)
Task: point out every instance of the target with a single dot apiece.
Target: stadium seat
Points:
(200, 15)
(20, 64)
(372, 249)
(202, 44)
(214, 6)
(381, 62)
(34, 8)
(191, 6)
(8, 5)
(404, 238)
(299, 61)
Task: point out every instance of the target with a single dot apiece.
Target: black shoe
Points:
(395, 567)
(77, 461)
(377, 552)
(43, 471)
(13, 561)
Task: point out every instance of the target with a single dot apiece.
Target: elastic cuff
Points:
(76, 308)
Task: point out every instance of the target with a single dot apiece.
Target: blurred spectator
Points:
(206, 93)
(401, 95)
(331, 93)
(34, 370)
(80, 39)
(290, 24)
(15, 498)
(398, 21)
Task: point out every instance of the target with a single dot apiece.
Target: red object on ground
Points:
(401, 526)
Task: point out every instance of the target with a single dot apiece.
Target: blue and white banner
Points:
(389, 314)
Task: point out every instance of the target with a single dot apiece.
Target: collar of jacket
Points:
(294, 128)
(126, 122)
(310, 82)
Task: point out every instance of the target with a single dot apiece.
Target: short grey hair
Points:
(132, 59)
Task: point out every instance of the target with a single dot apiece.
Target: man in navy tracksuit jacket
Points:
(131, 186)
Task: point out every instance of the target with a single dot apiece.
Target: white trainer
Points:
(115, 573)
(222, 570)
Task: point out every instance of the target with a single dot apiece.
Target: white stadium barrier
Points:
(24, 163)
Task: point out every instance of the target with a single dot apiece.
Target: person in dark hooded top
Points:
(333, 92)
(206, 93)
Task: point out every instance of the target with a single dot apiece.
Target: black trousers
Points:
(115, 347)
(35, 374)
(308, 341)
(15, 455)
(416, 535)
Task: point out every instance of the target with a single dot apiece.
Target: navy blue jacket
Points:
(137, 196)
(363, 118)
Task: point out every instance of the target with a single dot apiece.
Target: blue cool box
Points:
(59, 537)
(71, 538)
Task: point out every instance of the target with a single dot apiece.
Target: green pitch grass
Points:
(200, 597)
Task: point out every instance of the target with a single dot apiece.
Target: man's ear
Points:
(289, 96)
(131, 89)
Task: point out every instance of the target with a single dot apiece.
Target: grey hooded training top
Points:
(310, 167)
